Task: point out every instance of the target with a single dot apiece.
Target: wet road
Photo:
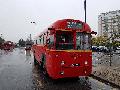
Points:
(17, 72)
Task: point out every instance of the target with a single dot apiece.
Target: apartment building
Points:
(109, 24)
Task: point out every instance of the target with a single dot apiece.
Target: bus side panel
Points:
(38, 50)
(50, 66)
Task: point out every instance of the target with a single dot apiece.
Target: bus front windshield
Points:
(64, 40)
(83, 41)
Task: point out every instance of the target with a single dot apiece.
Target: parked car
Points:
(118, 49)
(103, 49)
(95, 49)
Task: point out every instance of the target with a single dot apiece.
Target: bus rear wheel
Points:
(42, 65)
(42, 62)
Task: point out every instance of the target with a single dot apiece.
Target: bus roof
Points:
(69, 24)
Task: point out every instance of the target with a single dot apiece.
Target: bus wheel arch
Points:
(42, 61)
(42, 64)
(35, 61)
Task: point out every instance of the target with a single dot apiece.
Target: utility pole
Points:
(112, 36)
(110, 52)
(85, 9)
(30, 37)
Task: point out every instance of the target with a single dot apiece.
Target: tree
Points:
(1, 40)
(21, 43)
(99, 41)
(94, 41)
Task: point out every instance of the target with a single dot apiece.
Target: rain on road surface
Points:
(17, 72)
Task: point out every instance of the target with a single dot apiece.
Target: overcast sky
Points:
(16, 15)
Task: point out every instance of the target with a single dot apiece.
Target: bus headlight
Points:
(86, 62)
(62, 72)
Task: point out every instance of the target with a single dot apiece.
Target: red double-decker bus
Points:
(64, 49)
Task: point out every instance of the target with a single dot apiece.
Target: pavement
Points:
(102, 68)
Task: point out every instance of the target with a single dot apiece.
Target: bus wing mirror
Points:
(93, 32)
(51, 28)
